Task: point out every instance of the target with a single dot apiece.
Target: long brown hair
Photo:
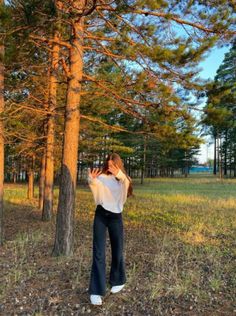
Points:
(119, 163)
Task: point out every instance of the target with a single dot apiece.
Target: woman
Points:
(110, 188)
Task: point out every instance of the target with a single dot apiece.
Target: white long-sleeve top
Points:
(109, 192)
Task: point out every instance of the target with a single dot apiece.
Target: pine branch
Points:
(116, 95)
(177, 19)
(107, 52)
(167, 16)
(98, 38)
(115, 128)
(50, 41)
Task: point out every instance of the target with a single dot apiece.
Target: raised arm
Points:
(117, 172)
(92, 176)
(122, 176)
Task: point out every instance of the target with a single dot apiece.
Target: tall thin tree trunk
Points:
(79, 169)
(220, 159)
(49, 171)
(186, 165)
(218, 154)
(230, 159)
(105, 148)
(64, 239)
(42, 180)
(234, 162)
(225, 155)
(19, 170)
(1, 136)
(30, 193)
(144, 159)
(129, 166)
(14, 177)
(214, 168)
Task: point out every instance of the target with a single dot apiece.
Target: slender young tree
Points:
(31, 170)
(49, 163)
(42, 180)
(1, 129)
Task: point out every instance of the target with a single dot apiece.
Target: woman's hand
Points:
(94, 173)
(112, 168)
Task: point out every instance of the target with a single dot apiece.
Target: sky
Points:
(209, 67)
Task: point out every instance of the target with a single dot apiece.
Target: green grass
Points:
(180, 247)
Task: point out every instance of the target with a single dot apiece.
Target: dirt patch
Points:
(164, 275)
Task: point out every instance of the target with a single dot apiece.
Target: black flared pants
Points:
(104, 220)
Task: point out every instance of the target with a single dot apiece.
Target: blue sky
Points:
(212, 62)
(209, 67)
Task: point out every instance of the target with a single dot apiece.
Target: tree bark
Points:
(214, 168)
(186, 165)
(220, 158)
(225, 155)
(218, 154)
(64, 239)
(144, 159)
(230, 159)
(234, 162)
(1, 137)
(30, 193)
(49, 171)
(42, 180)
(129, 166)
(19, 170)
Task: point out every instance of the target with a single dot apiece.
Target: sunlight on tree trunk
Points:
(49, 173)
(1, 135)
(30, 193)
(66, 207)
(144, 159)
(42, 180)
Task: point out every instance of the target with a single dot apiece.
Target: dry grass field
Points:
(180, 251)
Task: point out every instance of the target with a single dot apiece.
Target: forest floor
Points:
(180, 252)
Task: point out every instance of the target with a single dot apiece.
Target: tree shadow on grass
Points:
(20, 218)
(159, 267)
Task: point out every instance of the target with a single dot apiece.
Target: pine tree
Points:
(1, 124)
(130, 56)
(49, 163)
(161, 60)
(220, 112)
(64, 240)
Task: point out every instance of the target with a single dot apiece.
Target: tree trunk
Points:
(1, 136)
(214, 168)
(220, 158)
(186, 165)
(144, 159)
(30, 193)
(64, 239)
(234, 162)
(49, 171)
(225, 155)
(42, 180)
(14, 177)
(230, 159)
(218, 155)
(129, 166)
(19, 170)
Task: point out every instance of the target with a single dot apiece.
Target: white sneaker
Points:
(96, 299)
(117, 288)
